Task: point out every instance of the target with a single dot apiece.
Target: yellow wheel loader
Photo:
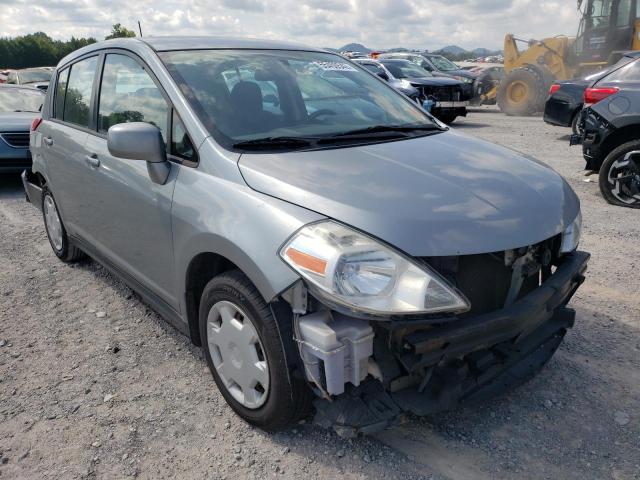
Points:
(607, 28)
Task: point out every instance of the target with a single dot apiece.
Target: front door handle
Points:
(92, 160)
(48, 141)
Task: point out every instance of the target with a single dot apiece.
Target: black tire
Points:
(447, 118)
(289, 398)
(522, 92)
(608, 168)
(575, 123)
(68, 252)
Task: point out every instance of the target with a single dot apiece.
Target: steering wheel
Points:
(320, 113)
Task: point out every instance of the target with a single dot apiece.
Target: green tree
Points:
(118, 31)
(37, 50)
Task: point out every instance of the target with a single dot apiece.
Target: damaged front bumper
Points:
(442, 364)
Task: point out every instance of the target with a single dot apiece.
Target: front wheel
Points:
(522, 92)
(242, 345)
(575, 124)
(619, 177)
(447, 118)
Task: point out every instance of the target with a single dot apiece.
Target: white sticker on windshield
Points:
(335, 66)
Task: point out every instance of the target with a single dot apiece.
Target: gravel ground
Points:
(93, 384)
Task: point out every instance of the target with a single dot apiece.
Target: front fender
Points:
(219, 216)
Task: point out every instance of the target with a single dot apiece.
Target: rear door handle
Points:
(48, 141)
(92, 160)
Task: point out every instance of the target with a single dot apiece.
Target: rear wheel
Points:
(245, 353)
(620, 176)
(522, 92)
(56, 233)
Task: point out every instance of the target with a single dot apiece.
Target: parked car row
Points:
(19, 107)
(603, 110)
(317, 233)
(444, 97)
(37, 77)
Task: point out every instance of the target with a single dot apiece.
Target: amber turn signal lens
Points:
(307, 261)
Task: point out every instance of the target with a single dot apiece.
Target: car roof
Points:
(205, 42)
(170, 43)
(44, 69)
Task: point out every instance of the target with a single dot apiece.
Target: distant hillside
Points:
(485, 52)
(355, 47)
(452, 52)
(457, 53)
(454, 49)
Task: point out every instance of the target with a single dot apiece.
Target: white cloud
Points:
(331, 23)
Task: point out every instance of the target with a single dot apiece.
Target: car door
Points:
(64, 136)
(130, 218)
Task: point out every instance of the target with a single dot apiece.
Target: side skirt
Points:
(155, 302)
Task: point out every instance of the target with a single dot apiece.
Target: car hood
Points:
(403, 87)
(444, 194)
(434, 82)
(16, 121)
(461, 73)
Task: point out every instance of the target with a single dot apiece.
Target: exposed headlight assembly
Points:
(571, 235)
(351, 269)
(463, 79)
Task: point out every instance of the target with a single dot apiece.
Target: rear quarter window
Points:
(628, 73)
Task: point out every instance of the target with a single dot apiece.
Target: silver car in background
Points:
(316, 232)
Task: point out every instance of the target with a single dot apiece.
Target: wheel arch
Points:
(204, 264)
(619, 137)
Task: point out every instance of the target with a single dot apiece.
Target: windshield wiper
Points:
(27, 111)
(268, 143)
(376, 129)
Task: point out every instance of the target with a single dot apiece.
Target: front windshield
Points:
(443, 64)
(33, 76)
(20, 100)
(406, 69)
(244, 95)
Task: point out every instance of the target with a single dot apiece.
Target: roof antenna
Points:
(140, 27)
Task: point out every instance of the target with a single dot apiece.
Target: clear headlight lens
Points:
(362, 274)
(463, 79)
(571, 235)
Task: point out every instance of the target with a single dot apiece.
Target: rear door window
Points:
(628, 73)
(77, 100)
(129, 94)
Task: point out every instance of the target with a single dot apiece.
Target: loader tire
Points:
(522, 92)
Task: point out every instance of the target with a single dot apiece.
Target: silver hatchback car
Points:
(317, 233)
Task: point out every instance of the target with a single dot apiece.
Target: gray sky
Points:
(327, 23)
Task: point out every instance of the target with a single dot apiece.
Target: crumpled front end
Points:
(368, 370)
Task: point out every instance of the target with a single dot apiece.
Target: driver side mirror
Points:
(140, 141)
(383, 75)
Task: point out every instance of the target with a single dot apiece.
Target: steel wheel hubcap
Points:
(52, 219)
(237, 354)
